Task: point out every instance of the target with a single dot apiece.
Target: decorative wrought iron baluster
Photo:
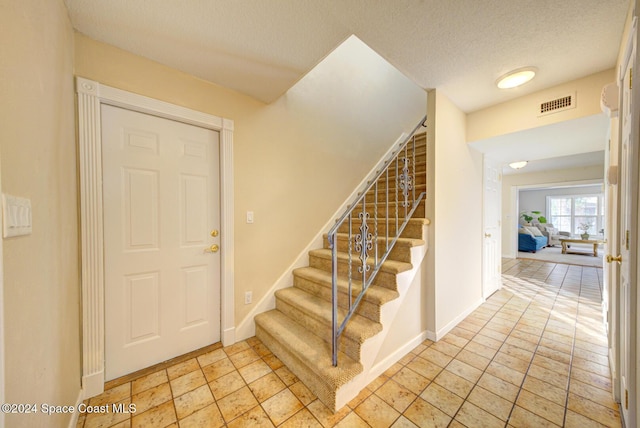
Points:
(363, 243)
(405, 183)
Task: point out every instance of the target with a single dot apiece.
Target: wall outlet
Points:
(248, 297)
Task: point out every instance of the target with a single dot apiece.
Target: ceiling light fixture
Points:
(516, 78)
(518, 165)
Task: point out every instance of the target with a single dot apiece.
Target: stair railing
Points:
(370, 246)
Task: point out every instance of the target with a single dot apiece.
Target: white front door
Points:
(492, 207)
(626, 241)
(161, 212)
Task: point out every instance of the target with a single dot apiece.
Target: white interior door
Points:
(628, 224)
(610, 271)
(492, 212)
(161, 212)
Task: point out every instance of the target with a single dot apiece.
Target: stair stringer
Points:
(388, 312)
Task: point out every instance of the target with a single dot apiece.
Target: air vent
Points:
(557, 105)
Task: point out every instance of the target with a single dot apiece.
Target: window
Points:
(569, 213)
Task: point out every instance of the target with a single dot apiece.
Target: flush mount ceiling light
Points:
(516, 78)
(518, 165)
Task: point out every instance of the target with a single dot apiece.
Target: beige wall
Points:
(295, 160)
(539, 179)
(522, 113)
(455, 203)
(37, 137)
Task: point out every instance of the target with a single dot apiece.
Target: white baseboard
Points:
(453, 323)
(75, 415)
(229, 336)
(93, 384)
(247, 328)
(393, 358)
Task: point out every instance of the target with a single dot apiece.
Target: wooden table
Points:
(566, 244)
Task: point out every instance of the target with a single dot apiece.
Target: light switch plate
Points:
(16, 216)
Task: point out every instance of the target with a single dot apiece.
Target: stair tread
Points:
(375, 294)
(358, 328)
(308, 348)
(390, 266)
(408, 242)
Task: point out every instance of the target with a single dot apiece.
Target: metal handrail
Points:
(365, 241)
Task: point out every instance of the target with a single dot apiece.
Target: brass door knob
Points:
(214, 233)
(487, 235)
(212, 249)
(611, 259)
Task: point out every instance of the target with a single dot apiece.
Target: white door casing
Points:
(627, 232)
(492, 241)
(91, 96)
(161, 205)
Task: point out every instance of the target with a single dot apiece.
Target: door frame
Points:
(91, 95)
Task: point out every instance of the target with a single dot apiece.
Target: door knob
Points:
(611, 259)
(212, 249)
(214, 233)
(487, 235)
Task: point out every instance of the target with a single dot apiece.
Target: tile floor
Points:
(533, 355)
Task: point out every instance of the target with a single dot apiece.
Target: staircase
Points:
(299, 331)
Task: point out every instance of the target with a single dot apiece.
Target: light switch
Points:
(250, 217)
(16, 216)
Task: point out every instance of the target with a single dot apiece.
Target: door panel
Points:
(628, 222)
(161, 202)
(492, 252)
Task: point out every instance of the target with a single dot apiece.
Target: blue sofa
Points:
(531, 243)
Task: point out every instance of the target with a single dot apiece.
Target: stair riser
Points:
(411, 230)
(401, 253)
(420, 209)
(383, 279)
(323, 291)
(391, 195)
(319, 328)
(323, 391)
(418, 180)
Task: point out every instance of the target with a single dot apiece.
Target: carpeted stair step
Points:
(319, 282)
(400, 252)
(383, 194)
(420, 177)
(321, 259)
(315, 314)
(306, 355)
(413, 229)
(382, 209)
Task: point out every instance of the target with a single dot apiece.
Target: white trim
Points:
(436, 336)
(2, 371)
(73, 423)
(394, 357)
(247, 328)
(91, 95)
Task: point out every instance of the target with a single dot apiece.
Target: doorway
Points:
(92, 96)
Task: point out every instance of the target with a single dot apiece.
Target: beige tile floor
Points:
(533, 355)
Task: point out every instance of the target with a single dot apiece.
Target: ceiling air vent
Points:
(557, 105)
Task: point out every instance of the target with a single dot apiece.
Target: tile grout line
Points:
(524, 378)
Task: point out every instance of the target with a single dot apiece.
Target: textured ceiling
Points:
(262, 47)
